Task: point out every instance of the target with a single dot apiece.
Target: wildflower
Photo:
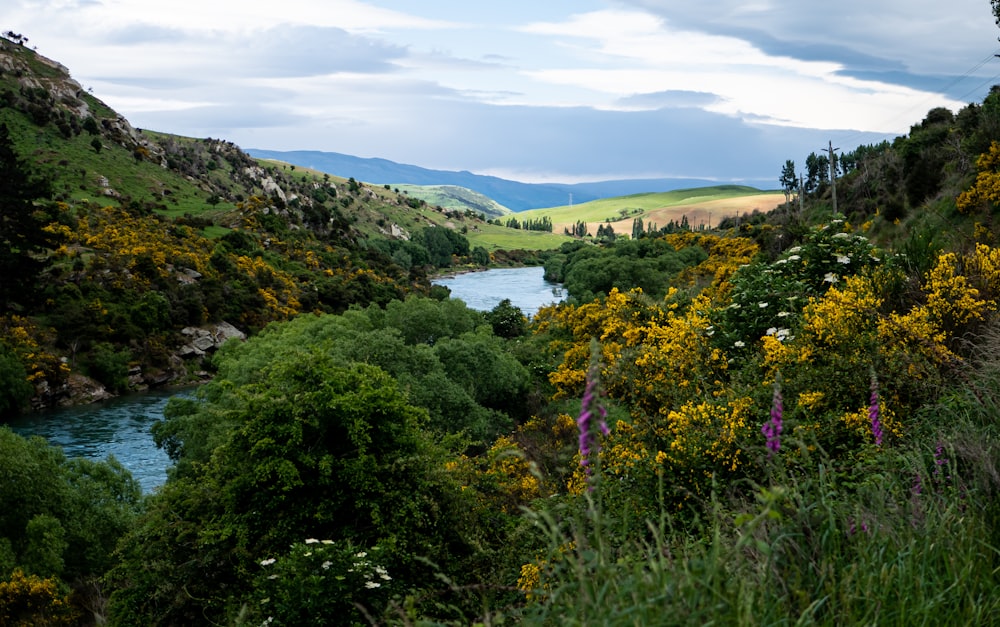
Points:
(311, 541)
(843, 259)
(873, 412)
(327, 564)
(784, 314)
(268, 561)
(372, 584)
(762, 305)
(327, 541)
(772, 428)
(739, 344)
(794, 257)
(585, 423)
(361, 554)
(830, 278)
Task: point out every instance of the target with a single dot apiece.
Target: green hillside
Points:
(455, 198)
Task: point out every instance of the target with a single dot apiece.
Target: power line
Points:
(848, 137)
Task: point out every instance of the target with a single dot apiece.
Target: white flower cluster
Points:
(781, 334)
(369, 571)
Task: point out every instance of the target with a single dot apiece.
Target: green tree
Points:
(507, 320)
(22, 235)
(789, 180)
(317, 450)
(15, 390)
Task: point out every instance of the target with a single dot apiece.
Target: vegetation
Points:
(789, 419)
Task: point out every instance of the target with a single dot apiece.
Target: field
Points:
(705, 206)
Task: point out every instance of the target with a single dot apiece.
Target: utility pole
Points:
(801, 190)
(833, 177)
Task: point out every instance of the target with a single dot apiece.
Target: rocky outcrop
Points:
(205, 339)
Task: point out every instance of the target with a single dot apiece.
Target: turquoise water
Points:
(118, 427)
(525, 287)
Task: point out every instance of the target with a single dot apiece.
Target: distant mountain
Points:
(514, 195)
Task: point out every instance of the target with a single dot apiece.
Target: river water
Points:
(526, 288)
(120, 426)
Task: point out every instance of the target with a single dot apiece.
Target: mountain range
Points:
(514, 195)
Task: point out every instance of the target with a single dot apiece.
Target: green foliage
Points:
(650, 264)
(442, 243)
(771, 295)
(317, 450)
(15, 390)
(22, 234)
(109, 366)
(507, 320)
(61, 517)
(320, 582)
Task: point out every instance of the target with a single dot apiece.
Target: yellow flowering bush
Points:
(27, 600)
(986, 189)
(951, 300)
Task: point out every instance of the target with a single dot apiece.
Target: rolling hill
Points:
(515, 195)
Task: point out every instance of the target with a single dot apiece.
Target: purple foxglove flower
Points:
(772, 428)
(873, 412)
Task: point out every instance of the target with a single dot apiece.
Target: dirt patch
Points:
(709, 213)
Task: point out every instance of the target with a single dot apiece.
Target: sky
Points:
(530, 90)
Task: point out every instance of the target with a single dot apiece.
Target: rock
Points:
(208, 338)
(80, 390)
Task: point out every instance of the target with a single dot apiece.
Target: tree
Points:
(637, 228)
(22, 234)
(789, 181)
(315, 450)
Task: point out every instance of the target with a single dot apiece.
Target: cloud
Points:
(670, 98)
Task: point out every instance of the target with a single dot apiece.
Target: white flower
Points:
(780, 261)
(327, 541)
(372, 584)
(843, 259)
(383, 573)
(794, 258)
(307, 554)
(762, 305)
(361, 554)
(783, 334)
(771, 331)
(268, 561)
(311, 541)
(327, 564)
(783, 314)
(841, 235)
(830, 278)
(739, 344)
(793, 250)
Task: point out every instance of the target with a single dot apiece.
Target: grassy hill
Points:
(455, 198)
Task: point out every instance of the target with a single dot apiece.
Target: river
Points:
(526, 288)
(120, 426)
